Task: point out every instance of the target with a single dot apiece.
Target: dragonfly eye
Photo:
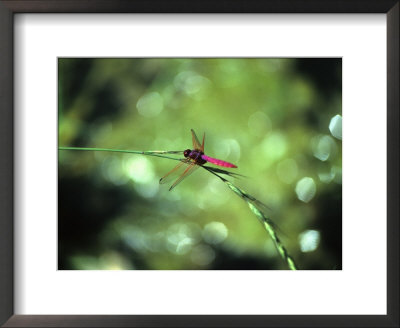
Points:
(186, 152)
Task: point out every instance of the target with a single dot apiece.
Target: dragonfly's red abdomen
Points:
(200, 159)
(217, 161)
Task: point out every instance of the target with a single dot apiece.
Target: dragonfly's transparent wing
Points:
(189, 170)
(176, 171)
(196, 142)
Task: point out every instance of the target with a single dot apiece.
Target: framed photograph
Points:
(159, 219)
(199, 165)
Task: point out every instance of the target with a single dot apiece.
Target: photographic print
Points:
(199, 163)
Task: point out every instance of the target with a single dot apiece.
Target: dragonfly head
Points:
(186, 152)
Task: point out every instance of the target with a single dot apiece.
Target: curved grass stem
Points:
(269, 226)
(157, 153)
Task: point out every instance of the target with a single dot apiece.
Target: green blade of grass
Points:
(269, 226)
(157, 153)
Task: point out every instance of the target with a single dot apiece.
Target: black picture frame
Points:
(11, 7)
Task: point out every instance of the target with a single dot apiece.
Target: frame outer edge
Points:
(204, 6)
(7, 172)
(6, 164)
(393, 164)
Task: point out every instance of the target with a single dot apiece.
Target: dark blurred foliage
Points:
(279, 120)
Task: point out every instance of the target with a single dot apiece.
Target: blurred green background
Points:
(279, 120)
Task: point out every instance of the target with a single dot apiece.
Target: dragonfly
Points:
(194, 158)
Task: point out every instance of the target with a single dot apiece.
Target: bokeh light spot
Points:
(306, 189)
(181, 237)
(139, 169)
(113, 261)
(337, 171)
(150, 105)
(157, 242)
(324, 147)
(228, 149)
(326, 177)
(184, 246)
(195, 84)
(215, 232)
(202, 255)
(192, 84)
(134, 238)
(112, 170)
(274, 145)
(335, 126)
(149, 189)
(309, 240)
(259, 124)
